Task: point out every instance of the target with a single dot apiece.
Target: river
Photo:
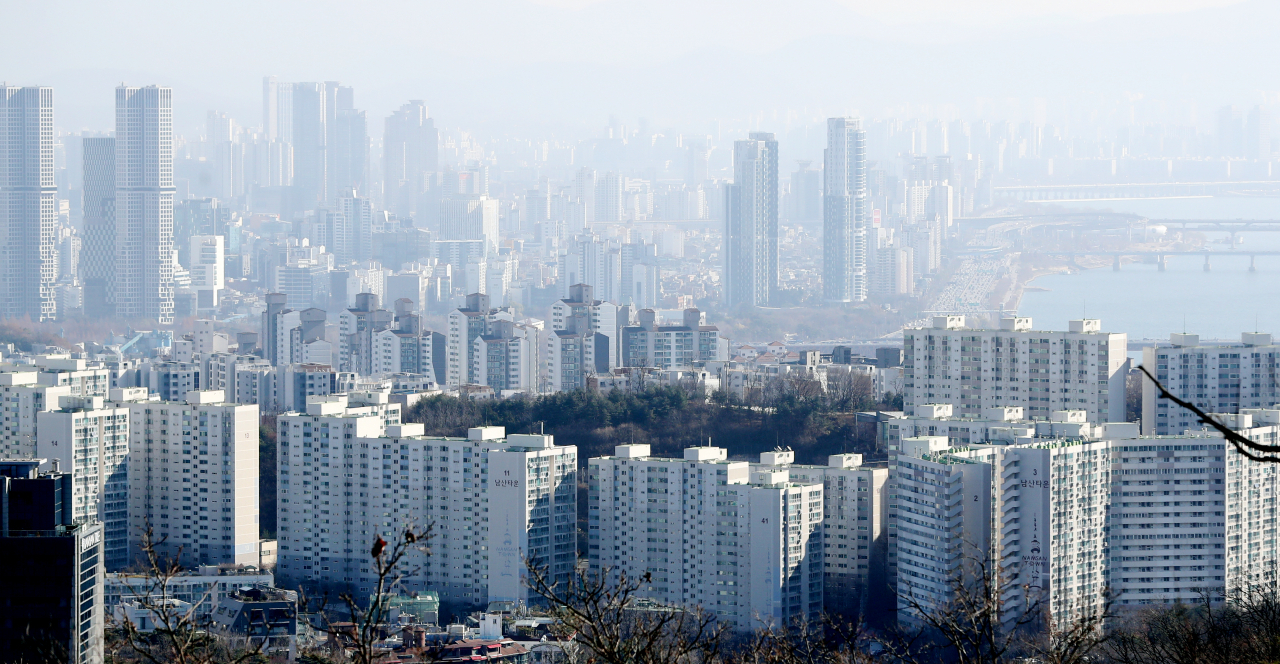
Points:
(1149, 304)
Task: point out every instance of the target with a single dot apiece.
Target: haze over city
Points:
(639, 331)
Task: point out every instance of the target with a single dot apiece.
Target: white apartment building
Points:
(84, 380)
(494, 500)
(466, 325)
(939, 520)
(1081, 369)
(747, 546)
(208, 266)
(1142, 517)
(1217, 377)
(1252, 488)
(91, 441)
(600, 316)
(1168, 524)
(20, 399)
(193, 477)
(506, 359)
(855, 519)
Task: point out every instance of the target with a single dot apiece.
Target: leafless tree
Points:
(602, 619)
(388, 562)
(181, 635)
(828, 641)
(1246, 447)
(848, 391)
(977, 627)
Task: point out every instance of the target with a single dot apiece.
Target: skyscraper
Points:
(310, 138)
(844, 212)
(751, 223)
(348, 145)
(28, 205)
(143, 221)
(410, 148)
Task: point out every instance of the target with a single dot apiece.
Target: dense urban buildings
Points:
(974, 369)
(243, 337)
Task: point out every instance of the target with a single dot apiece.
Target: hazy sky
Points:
(562, 67)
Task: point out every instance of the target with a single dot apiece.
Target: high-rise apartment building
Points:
(91, 440)
(751, 223)
(193, 477)
(348, 477)
(28, 203)
(609, 192)
(745, 545)
(600, 316)
(1217, 377)
(410, 151)
(651, 344)
(467, 324)
(844, 212)
(855, 521)
(143, 220)
(974, 369)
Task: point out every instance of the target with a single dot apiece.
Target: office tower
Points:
(751, 224)
(649, 344)
(855, 520)
(609, 191)
(466, 324)
(600, 316)
(1081, 369)
(470, 217)
(844, 212)
(273, 155)
(91, 440)
(222, 134)
(746, 546)
(410, 154)
(144, 203)
(193, 477)
(353, 229)
(496, 501)
(310, 141)
(1217, 377)
(208, 258)
(348, 150)
(806, 194)
(584, 192)
(28, 203)
(52, 595)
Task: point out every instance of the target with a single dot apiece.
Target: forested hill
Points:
(669, 419)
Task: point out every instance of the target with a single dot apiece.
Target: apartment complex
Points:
(855, 521)
(193, 477)
(1081, 369)
(746, 545)
(351, 473)
(1217, 377)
